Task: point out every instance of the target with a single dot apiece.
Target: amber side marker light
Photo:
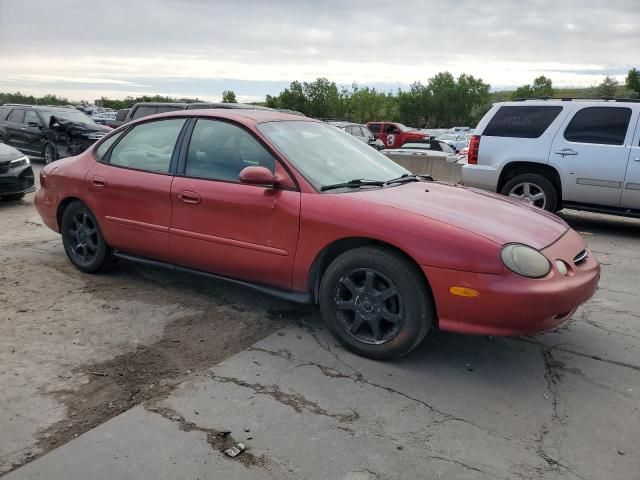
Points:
(464, 292)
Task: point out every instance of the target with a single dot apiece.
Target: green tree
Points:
(293, 98)
(633, 80)
(323, 99)
(229, 96)
(542, 87)
(608, 87)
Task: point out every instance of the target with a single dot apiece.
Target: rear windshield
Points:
(521, 122)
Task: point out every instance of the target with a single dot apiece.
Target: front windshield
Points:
(326, 155)
(68, 114)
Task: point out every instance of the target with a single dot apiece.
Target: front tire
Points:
(376, 302)
(82, 239)
(50, 153)
(532, 189)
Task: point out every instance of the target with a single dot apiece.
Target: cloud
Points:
(143, 46)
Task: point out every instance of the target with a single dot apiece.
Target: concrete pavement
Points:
(565, 404)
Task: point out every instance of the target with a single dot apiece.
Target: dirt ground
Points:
(78, 349)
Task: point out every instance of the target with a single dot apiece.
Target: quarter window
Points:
(602, 125)
(521, 122)
(104, 146)
(220, 150)
(16, 116)
(148, 146)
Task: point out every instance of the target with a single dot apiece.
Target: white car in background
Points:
(581, 154)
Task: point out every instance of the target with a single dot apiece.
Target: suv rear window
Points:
(602, 125)
(521, 122)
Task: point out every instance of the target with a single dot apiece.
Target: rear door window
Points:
(148, 146)
(375, 127)
(16, 116)
(601, 125)
(521, 122)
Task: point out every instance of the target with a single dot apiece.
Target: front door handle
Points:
(566, 152)
(187, 196)
(99, 182)
(637, 159)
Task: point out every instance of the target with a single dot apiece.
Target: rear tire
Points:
(82, 239)
(533, 189)
(376, 302)
(14, 197)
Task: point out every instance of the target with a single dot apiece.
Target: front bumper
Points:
(17, 180)
(509, 304)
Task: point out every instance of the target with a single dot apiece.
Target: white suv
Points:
(560, 153)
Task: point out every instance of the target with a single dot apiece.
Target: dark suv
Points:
(144, 109)
(49, 132)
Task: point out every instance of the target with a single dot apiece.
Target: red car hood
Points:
(492, 216)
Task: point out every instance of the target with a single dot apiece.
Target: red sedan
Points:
(298, 209)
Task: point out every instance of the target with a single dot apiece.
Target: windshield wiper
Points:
(407, 177)
(355, 183)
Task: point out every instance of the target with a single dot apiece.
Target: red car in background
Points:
(394, 134)
(299, 209)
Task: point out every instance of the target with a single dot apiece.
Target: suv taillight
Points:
(474, 146)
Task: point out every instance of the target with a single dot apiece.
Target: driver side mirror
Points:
(257, 176)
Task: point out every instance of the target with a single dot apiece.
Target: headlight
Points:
(525, 261)
(19, 162)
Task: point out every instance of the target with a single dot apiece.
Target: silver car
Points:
(581, 154)
(361, 132)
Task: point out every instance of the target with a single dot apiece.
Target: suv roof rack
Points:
(593, 99)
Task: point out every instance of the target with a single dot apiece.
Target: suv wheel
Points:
(50, 153)
(82, 239)
(376, 303)
(533, 189)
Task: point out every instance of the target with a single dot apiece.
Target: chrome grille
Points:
(4, 167)
(581, 257)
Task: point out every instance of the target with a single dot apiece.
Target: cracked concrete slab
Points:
(563, 405)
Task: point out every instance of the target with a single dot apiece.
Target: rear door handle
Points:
(99, 182)
(637, 159)
(566, 152)
(187, 196)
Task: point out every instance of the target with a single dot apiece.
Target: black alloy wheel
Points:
(369, 306)
(376, 302)
(82, 239)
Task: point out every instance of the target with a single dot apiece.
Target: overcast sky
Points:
(84, 50)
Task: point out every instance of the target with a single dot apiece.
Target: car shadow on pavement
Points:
(593, 223)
